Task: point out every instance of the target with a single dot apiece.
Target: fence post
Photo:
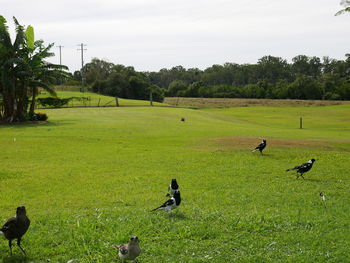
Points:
(151, 98)
(98, 105)
(116, 101)
(301, 122)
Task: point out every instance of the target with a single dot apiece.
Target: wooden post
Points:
(98, 105)
(301, 122)
(151, 98)
(116, 101)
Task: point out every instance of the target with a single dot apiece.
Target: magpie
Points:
(16, 227)
(301, 169)
(260, 147)
(129, 251)
(323, 197)
(172, 188)
(171, 204)
(183, 119)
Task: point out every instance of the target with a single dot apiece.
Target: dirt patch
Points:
(231, 143)
(235, 102)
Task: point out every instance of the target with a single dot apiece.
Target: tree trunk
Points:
(32, 104)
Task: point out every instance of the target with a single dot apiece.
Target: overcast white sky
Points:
(155, 34)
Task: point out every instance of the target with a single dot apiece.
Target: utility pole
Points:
(82, 64)
(60, 48)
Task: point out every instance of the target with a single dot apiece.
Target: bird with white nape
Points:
(303, 168)
(260, 147)
(173, 187)
(171, 204)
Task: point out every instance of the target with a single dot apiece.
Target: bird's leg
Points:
(19, 244)
(302, 176)
(10, 245)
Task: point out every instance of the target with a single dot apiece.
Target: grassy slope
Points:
(95, 99)
(90, 176)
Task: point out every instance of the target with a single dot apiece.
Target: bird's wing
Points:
(9, 224)
(123, 249)
(170, 202)
(294, 168)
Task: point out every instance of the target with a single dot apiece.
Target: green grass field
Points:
(90, 176)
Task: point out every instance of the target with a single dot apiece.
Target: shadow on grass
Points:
(33, 124)
(177, 215)
(14, 258)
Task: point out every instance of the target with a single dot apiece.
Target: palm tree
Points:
(42, 73)
(10, 63)
(346, 4)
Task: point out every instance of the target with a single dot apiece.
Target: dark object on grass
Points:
(183, 119)
(172, 188)
(129, 251)
(171, 204)
(16, 227)
(301, 169)
(260, 147)
(323, 197)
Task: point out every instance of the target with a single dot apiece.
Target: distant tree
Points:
(175, 86)
(97, 69)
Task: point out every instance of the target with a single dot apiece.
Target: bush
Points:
(53, 102)
(40, 116)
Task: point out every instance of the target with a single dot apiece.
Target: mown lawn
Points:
(90, 176)
(94, 99)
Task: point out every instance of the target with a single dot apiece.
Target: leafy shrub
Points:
(53, 102)
(39, 116)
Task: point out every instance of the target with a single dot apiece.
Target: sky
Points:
(154, 34)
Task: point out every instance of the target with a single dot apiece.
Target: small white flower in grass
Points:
(14, 139)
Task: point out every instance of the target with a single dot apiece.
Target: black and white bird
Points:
(173, 187)
(129, 251)
(182, 119)
(16, 227)
(260, 147)
(323, 197)
(301, 169)
(171, 204)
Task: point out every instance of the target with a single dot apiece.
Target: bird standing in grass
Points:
(171, 204)
(301, 169)
(129, 251)
(183, 119)
(172, 188)
(260, 147)
(16, 227)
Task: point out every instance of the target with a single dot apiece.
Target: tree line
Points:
(271, 77)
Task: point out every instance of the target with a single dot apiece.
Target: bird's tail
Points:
(290, 169)
(116, 246)
(254, 150)
(1, 233)
(155, 209)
